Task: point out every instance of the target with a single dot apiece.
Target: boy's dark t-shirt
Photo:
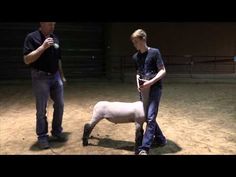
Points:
(148, 64)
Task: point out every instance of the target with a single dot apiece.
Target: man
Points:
(150, 70)
(43, 54)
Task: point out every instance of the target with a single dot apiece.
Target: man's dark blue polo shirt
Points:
(48, 61)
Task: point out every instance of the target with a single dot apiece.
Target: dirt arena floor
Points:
(197, 118)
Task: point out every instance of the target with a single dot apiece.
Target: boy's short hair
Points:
(139, 33)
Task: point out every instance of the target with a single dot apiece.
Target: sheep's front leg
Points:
(88, 127)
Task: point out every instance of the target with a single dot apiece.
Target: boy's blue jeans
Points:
(152, 129)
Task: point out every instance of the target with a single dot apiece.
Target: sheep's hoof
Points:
(85, 141)
(86, 134)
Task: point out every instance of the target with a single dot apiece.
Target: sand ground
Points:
(197, 118)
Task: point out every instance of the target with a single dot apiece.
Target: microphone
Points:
(55, 45)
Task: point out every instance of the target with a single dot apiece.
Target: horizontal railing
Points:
(178, 64)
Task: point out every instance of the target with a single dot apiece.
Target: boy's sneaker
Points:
(159, 143)
(143, 152)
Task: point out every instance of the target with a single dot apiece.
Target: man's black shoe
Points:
(59, 138)
(43, 144)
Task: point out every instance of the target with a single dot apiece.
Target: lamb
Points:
(119, 112)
